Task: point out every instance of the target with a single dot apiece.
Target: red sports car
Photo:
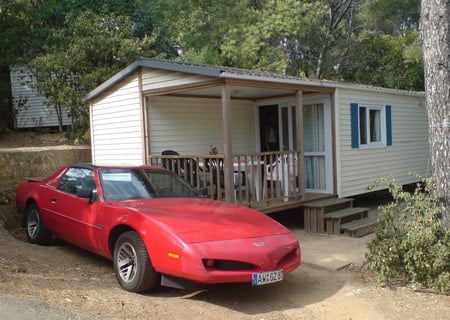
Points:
(156, 227)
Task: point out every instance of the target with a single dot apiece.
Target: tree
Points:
(376, 60)
(81, 56)
(199, 26)
(435, 36)
(391, 16)
(363, 41)
(387, 40)
(86, 43)
(292, 37)
(13, 26)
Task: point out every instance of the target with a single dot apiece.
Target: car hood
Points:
(202, 220)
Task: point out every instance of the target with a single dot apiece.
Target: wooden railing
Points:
(257, 177)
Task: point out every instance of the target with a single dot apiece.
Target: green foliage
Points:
(377, 59)
(198, 27)
(289, 37)
(391, 16)
(76, 45)
(414, 244)
(81, 56)
(362, 41)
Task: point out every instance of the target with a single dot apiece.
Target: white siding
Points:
(190, 125)
(157, 79)
(357, 168)
(116, 125)
(32, 111)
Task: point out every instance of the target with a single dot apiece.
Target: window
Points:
(371, 126)
(75, 178)
(125, 183)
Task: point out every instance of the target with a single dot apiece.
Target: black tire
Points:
(36, 231)
(132, 264)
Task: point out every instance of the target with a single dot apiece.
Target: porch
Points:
(266, 181)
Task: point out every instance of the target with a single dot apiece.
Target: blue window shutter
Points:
(388, 125)
(355, 124)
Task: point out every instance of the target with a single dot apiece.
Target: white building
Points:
(29, 105)
(347, 135)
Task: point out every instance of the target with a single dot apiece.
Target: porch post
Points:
(227, 149)
(144, 122)
(300, 143)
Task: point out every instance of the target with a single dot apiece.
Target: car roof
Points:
(93, 166)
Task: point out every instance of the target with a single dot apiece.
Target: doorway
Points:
(317, 147)
(316, 137)
(269, 135)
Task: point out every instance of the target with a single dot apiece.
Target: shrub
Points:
(413, 244)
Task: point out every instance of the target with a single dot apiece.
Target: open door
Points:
(278, 133)
(269, 128)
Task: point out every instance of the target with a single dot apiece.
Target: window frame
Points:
(385, 125)
(73, 179)
(368, 129)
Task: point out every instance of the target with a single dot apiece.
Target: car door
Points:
(74, 218)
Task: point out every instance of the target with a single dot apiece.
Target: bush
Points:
(413, 245)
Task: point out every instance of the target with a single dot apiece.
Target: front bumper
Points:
(262, 254)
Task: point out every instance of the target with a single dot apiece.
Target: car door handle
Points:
(53, 200)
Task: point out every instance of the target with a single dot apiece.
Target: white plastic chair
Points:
(284, 170)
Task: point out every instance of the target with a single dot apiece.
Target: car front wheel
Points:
(132, 264)
(36, 231)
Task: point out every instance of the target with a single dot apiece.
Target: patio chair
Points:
(218, 175)
(283, 170)
(187, 168)
(170, 164)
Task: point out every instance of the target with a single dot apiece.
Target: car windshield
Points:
(126, 183)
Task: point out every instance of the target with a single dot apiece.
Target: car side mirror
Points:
(87, 193)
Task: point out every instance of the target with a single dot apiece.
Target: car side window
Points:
(75, 178)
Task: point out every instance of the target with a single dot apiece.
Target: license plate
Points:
(266, 277)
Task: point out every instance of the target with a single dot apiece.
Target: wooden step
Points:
(314, 212)
(334, 219)
(329, 202)
(361, 227)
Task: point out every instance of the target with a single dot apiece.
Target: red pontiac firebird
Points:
(156, 227)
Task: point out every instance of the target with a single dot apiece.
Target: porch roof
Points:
(234, 74)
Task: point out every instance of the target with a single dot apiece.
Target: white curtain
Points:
(314, 146)
(375, 125)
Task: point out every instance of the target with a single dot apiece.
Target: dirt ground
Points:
(66, 277)
(20, 139)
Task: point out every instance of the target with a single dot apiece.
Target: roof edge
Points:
(155, 64)
(234, 73)
(112, 81)
(323, 84)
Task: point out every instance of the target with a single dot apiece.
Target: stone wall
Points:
(19, 163)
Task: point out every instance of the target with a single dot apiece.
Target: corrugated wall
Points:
(116, 125)
(157, 79)
(32, 112)
(190, 125)
(357, 168)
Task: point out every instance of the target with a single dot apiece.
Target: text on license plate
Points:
(266, 277)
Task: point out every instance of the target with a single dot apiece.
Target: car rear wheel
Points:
(132, 264)
(36, 231)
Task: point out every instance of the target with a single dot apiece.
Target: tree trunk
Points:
(435, 36)
(58, 110)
